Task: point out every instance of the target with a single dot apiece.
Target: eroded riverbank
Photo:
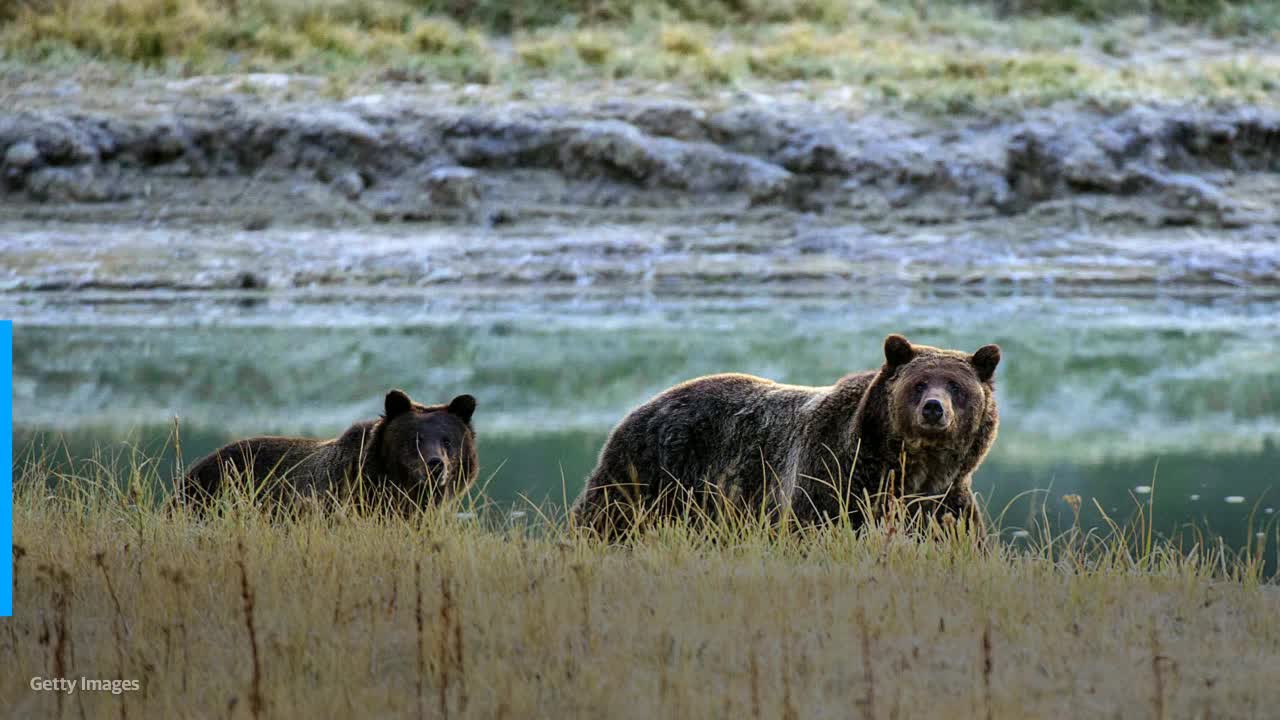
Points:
(228, 153)
(200, 188)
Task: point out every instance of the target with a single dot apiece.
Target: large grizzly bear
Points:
(920, 425)
(411, 456)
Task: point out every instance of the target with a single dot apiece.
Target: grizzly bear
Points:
(918, 426)
(411, 456)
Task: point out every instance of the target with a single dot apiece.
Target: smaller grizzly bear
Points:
(411, 456)
(918, 426)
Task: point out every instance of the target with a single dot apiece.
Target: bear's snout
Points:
(932, 411)
(935, 414)
(435, 469)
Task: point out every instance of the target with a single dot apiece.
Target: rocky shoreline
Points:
(228, 190)
(401, 159)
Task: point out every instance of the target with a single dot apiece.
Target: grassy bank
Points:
(944, 56)
(445, 616)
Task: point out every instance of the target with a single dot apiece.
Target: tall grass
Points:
(461, 611)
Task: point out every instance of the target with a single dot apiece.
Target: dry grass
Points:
(441, 616)
(939, 57)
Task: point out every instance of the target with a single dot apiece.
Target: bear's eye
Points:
(955, 388)
(447, 444)
(922, 386)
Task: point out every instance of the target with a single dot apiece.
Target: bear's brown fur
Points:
(920, 425)
(411, 456)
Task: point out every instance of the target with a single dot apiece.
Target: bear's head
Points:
(936, 396)
(427, 451)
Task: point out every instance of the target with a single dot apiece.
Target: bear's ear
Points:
(397, 404)
(985, 361)
(898, 351)
(463, 407)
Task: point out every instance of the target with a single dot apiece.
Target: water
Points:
(1099, 396)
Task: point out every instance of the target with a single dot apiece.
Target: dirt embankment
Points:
(241, 159)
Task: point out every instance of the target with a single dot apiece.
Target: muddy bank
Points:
(231, 157)
(665, 251)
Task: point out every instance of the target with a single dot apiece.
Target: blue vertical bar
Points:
(6, 468)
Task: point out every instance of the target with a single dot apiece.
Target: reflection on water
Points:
(1099, 396)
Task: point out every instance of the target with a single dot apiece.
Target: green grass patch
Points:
(944, 56)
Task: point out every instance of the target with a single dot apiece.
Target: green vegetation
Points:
(439, 614)
(941, 56)
(505, 17)
(1222, 15)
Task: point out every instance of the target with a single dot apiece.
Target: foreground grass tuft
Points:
(465, 611)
